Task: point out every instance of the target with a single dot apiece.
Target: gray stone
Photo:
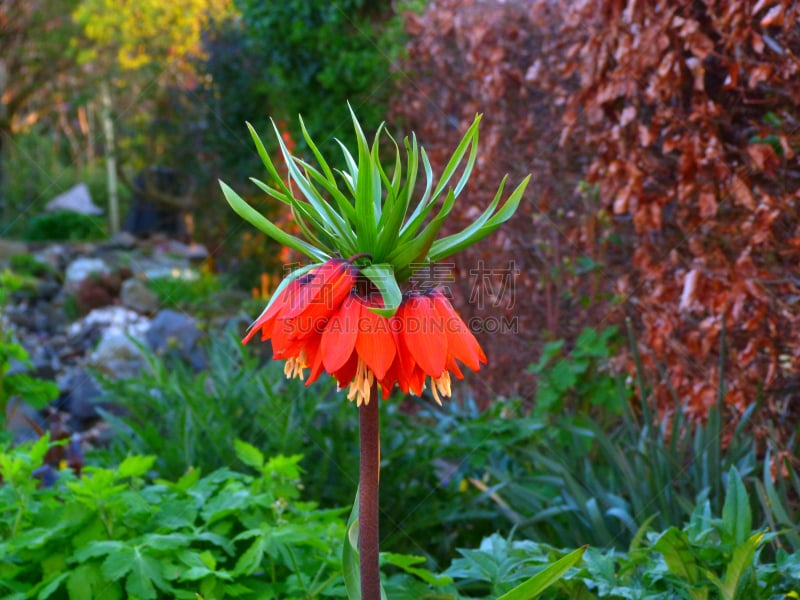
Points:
(123, 240)
(137, 296)
(109, 318)
(22, 420)
(118, 356)
(174, 333)
(77, 199)
(80, 268)
(55, 255)
(82, 391)
(194, 251)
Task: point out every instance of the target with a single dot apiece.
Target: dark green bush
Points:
(64, 225)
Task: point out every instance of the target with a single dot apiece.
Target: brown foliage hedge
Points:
(685, 117)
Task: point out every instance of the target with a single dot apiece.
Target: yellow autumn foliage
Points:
(150, 31)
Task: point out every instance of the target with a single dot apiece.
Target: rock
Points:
(45, 363)
(77, 199)
(122, 240)
(174, 333)
(9, 248)
(47, 289)
(118, 356)
(80, 268)
(112, 318)
(81, 391)
(56, 256)
(137, 296)
(22, 420)
(193, 252)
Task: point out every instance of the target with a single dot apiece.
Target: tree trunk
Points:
(111, 159)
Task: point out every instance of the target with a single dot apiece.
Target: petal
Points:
(403, 365)
(339, 337)
(266, 322)
(345, 375)
(314, 358)
(325, 291)
(423, 334)
(375, 344)
(461, 344)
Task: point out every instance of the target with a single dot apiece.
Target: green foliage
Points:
(708, 557)
(188, 420)
(579, 381)
(112, 534)
(27, 265)
(247, 534)
(192, 295)
(21, 385)
(64, 225)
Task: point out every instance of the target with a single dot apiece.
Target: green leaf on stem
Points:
(544, 578)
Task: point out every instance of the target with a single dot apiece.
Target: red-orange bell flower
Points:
(321, 321)
(431, 340)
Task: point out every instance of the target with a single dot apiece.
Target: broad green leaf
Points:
(37, 392)
(86, 582)
(406, 562)
(736, 515)
(50, 588)
(544, 578)
(741, 560)
(249, 454)
(674, 546)
(135, 466)
(251, 560)
(98, 548)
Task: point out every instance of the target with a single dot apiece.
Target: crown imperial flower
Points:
(349, 317)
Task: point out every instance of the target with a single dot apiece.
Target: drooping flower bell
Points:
(348, 316)
(433, 339)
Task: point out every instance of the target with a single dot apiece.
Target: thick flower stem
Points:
(369, 475)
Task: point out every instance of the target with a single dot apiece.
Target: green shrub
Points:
(707, 557)
(186, 294)
(112, 534)
(64, 225)
(26, 264)
(579, 381)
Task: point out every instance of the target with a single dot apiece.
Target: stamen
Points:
(441, 386)
(361, 385)
(293, 369)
